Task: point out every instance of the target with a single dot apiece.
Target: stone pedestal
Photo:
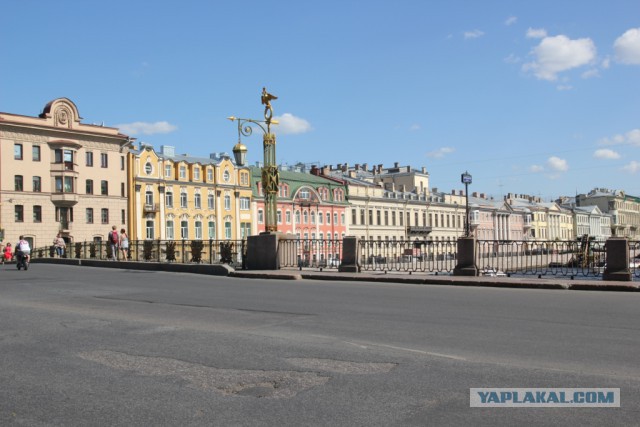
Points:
(262, 250)
(349, 262)
(617, 260)
(466, 265)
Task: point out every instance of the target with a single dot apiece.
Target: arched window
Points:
(297, 217)
(305, 217)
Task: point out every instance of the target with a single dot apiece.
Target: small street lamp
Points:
(466, 180)
(270, 174)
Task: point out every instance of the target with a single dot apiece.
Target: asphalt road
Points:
(82, 346)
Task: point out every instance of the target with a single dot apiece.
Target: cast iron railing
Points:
(314, 253)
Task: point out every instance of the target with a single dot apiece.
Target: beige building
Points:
(58, 174)
(176, 197)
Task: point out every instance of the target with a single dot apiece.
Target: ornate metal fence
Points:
(182, 251)
(400, 255)
(572, 258)
(315, 253)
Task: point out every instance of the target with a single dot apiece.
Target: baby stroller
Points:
(21, 260)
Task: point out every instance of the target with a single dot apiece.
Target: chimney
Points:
(365, 167)
(345, 167)
(396, 164)
(315, 170)
(424, 170)
(357, 166)
(482, 196)
(460, 193)
(474, 194)
(453, 192)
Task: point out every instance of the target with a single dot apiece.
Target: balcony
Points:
(419, 231)
(64, 199)
(150, 208)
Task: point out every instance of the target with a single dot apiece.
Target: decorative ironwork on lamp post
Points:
(466, 180)
(270, 174)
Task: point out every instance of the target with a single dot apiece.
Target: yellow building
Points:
(181, 197)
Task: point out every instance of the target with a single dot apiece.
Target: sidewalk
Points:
(530, 282)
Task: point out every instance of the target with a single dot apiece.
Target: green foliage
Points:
(147, 250)
(171, 251)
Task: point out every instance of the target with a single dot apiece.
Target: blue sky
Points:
(539, 98)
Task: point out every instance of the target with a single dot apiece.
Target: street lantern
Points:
(270, 174)
(465, 178)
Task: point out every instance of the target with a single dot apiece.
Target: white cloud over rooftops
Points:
(559, 53)
(146, 128)
(627, 47)
(536, 33)
(557, 164)
(290, 124)
(440, 152)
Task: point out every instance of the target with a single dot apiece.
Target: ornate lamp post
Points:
(466, 180)
(270, 174)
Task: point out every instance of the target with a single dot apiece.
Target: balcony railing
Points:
(150, 207)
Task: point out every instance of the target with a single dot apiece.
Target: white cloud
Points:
(564, 87)
(557, 164)
(627, 47)
(511, 20)
(632, 167)
(591, 73)
(511, 59)
(440, 152)
(290, 124)
(473, 34)
(559, 53)
(605, 153)
(415, 127)
(630, 138)
(536, 168)
(536, 33)
(606, 62)
(146, 128)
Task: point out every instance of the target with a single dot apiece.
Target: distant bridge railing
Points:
(181, 251)
(313, 253)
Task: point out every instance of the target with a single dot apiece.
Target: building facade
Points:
(182, 197)
(623, 208)
(59, 175)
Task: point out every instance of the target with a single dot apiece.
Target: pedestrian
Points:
(113, 239)
(7, 255)
(60, 245)
(124, 244)
(23, 248)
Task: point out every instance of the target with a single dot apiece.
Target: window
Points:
(18, 182)
(183, 200)
(89, 215)
(170, 229)
(305, 217)
(167, 171)
(210, 201)
(354, 216)
(335, 218)
(209, 174)
(328, 218)
(297, 217)
(37, 213)
(168, 199)
(386, 217)
(183, 172)
(320, 218)
(342, 221)
(304, 194)
(68, 184)
(279, 216)
(37, 184)
(227, 202)
(244, 179)
(17, 151)
(212, 230)
(226, 176)
(19, 213)
(197, 199)
(287, 216)
(104, 215)
(244, 203)
(184, 230)
(245, 229)
(35, 153)
(122, 189)
(150, 229)
(122, 163)
(104, 160)
(378, 217)
(196, 174)
(148, 198)
(89, 186)
(313, 217)
(260, 216)
(104, 188)
(89, 158)
(148, 168)
(227, 230)
(198, 230)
